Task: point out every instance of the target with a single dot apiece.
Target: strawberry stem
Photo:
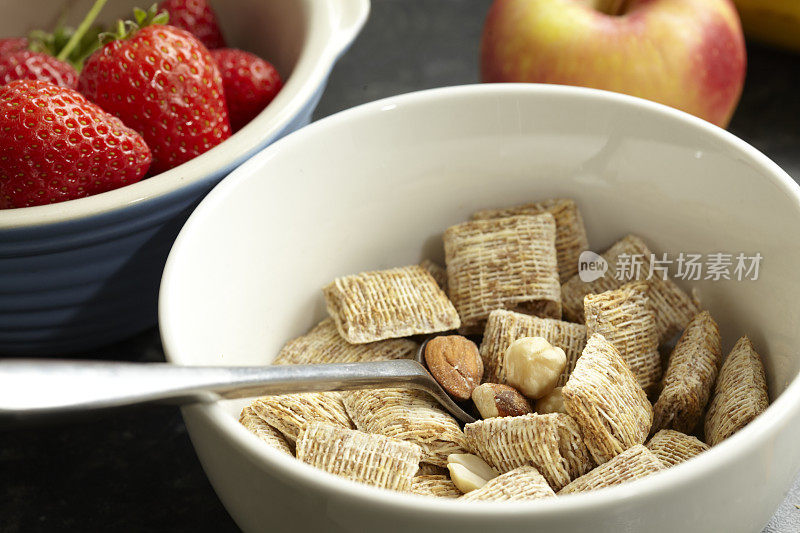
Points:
(82, 29)
(141, 19)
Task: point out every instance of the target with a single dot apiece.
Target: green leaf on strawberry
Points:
(53, 43)
(141, 19)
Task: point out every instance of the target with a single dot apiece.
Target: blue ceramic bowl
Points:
(84, 273)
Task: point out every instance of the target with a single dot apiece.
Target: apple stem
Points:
(613, 7)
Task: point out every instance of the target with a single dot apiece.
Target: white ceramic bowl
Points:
(80, 274)
(375, 186)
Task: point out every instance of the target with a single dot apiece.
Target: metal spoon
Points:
(32, 388)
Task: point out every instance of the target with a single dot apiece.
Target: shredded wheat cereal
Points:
(439, 486)
(673, 447)
(624, 317)
(323, 344)
(690, 376)
(387, 304)
(291, 413)
(372, 459)
(634, 463)
(570, 238)
(264, 431)
(505, 270)
(502, 263)
(672, 307)
(603, 397)
(740, 395)
(408, 415)
(523, 483)
(552, 443)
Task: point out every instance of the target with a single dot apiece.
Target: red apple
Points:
(687, 54)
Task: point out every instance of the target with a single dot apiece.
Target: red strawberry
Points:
(250, 83)
(14, 44)
(56, 145)
(196, 17)
(27, 65)
(163, 83)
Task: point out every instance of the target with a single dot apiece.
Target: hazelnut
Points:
(533, 366)
(469, 472)
(455, 363)
(494, 399)
(551, 403)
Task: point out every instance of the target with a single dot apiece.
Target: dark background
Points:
(137, 470)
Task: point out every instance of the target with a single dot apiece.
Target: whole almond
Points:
(455, 363)
(494, 399)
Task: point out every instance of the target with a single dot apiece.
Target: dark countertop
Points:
(136, 470)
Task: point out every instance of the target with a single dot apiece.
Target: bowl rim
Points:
(779, 414)
(327, 36)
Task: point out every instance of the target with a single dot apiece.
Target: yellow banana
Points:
(772, 21)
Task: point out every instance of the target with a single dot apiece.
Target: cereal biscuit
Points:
(388, 304)
(673, 447)
(634, 463)
(552, 443)
(624, 317)
(408, 415)
(672, 307)
(323, 344)
(291, 413)
(523, 483)
(372, 459)
(603, 397)
(570, 232)
(502, 263)
(740, 395)
(436, 270)
(504, 327)
(439, 486)
(690, 375)
(264, 431)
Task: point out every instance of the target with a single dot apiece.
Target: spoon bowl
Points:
(452, 406)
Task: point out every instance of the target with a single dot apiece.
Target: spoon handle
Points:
(34, 387)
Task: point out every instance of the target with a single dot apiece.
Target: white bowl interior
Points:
(377, 186)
